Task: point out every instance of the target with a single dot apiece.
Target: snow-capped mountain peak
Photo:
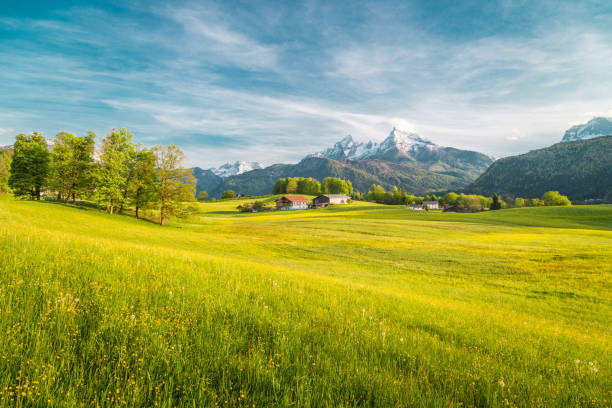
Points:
(399, 142)
(232, 169)
(598, 126)
(404, 141)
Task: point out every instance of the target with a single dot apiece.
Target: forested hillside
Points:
(582, 170)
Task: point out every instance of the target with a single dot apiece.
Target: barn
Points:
(291, 202)
(327, 199)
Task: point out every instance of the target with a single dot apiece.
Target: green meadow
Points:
(356, 305)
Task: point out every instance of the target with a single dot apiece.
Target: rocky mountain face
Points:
(580, 169)
(403, 159)
(598, 126)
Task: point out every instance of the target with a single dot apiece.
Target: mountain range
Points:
(403, 159)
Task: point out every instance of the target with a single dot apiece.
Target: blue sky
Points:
(272, 81)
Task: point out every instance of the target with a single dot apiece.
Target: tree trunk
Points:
(136, 211)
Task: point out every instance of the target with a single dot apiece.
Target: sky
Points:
(273, 81)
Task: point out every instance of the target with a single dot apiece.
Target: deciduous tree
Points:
(72, 165)
(202, 196)
(143, 183)
(5, 166)
(175, 184)
(228, 195)
(112, 172)
(30, 165)
(555, 198)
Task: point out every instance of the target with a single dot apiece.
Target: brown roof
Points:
(294, 198)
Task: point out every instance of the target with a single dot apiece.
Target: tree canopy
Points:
(30, 165)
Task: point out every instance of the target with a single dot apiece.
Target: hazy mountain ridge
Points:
(581, 169)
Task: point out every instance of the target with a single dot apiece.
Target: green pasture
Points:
(356, 305)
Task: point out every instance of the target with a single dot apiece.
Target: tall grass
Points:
(351, 306)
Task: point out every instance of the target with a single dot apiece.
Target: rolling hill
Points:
(580, 169)
(361, 305)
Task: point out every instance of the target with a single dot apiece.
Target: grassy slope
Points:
(354, 305)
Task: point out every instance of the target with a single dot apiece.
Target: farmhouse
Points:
(327, 199)
(431, 205)
(292, 203)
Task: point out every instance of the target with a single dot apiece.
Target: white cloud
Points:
(220, 44)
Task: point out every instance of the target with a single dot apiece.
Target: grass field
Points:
(359, 305)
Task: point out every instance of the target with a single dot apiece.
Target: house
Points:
(431, 205)
(292, 203)
(327, 199)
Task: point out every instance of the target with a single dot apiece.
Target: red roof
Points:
(295, 198)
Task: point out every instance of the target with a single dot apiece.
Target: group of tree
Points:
(303, 185)
(466, 202)
(397, 196)
(125, 174)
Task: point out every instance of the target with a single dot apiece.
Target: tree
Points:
(470, 202)
(142, 190)
(496, 204)
(519, 202)
(202, 196)
(450, 198)
(376, 194)
(113, 170)
(554, 198)
(334, 185)
(534, 202)
(5, 166)
(292, 186)
(30, 165)
(228, 194)
(280, 187)
(175, 184)
(72, 165)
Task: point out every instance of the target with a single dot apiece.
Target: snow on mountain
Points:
(598, 126)
(347, 148)
(232, 169)
(398, 141)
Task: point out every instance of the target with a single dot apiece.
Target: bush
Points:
(553, 198)
(202, 196)
(228, 194)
